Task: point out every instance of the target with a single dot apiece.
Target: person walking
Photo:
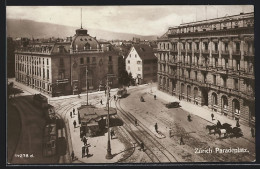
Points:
(85, 140)
(112, 133)
(135, 122)
(83, 151)
(141, 146)
(181, 141)
(74, 123)
(72, 155)
(154, 97)
(253, 132)
(70, 114)
(170, 132)
(87, 151)
(73, 111)
(114, 97)
(238, 125)
(101, 102)
(156, 127)
(212, 116)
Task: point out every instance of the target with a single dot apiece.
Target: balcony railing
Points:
(249, 54)
(205, 51)
(197, 51)
(215, 52)
(225, 52)
(236, 52)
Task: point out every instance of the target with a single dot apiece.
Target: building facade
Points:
(211, 63)
(59, 68)
(142, 63)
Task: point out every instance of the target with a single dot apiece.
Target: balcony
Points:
(225, 52)
(205, 51)
(189, 51)
(236, 52)
(215, 52)
(249, 54)
(197, 51)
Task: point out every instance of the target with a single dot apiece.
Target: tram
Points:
(121, 92)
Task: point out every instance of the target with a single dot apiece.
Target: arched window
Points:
(224, 102)
(236, 106)
(196, 92)
(87, 46)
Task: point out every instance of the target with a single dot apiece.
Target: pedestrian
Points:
(170, 132)
(179, 97)
(212, 116)
(238, 125)
(83, 151)
(87, 151)
(101, 102)
(156, 127)
(181, 141)
(135, 122)
(85, 140)
(70, 114)
(141, 146)
(73, 111)
(72, 155)
(114, 97)
(253, 132)
(81, 135)
(112, 133)
(74, 123)
(154, 97)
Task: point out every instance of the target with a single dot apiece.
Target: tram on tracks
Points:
(121, 92)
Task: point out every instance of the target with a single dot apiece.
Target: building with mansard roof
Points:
(59, 68)
(211, 63)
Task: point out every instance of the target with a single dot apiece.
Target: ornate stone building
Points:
(59, 68)
(211, 63)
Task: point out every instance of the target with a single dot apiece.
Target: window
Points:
(81, 61)
(47, 73)
(216, 46)
(226, 63)
(183, 46)
(110, 58)
(226, 46)
(43, 73)
(224, 82)
(237, 46)
(197, 46)
(238, 65)
(88, 60)
(128, 61)
(182, 72)
(61, 62)
(216, 62)
(93, 59)
(206, 46)
(236, 84)
(189, 74)
(196, 75)
(214, 79)
(47, 61)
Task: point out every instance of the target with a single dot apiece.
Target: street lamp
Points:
(109, 155)
(87, 82)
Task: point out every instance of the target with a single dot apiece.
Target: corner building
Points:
(211, 63)
(59, 68)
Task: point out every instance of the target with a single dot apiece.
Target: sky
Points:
(142, 20)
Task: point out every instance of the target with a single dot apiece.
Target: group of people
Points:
(73, 113)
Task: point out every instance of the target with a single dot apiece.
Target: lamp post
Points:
(87, 82)
(109, 155)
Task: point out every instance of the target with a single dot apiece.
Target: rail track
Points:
(140, 133)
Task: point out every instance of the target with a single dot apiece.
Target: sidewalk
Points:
(202, 112)
(98, 145)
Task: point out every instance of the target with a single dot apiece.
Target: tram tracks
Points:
(140, 133)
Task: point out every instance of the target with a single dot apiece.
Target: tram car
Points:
(121, 93)
(40, 100)
(49, 140)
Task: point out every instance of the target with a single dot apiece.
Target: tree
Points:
(123, 78)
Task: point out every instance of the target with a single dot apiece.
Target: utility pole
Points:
(87, 82)
(109, 155)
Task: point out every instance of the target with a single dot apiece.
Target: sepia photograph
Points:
(130, 84)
